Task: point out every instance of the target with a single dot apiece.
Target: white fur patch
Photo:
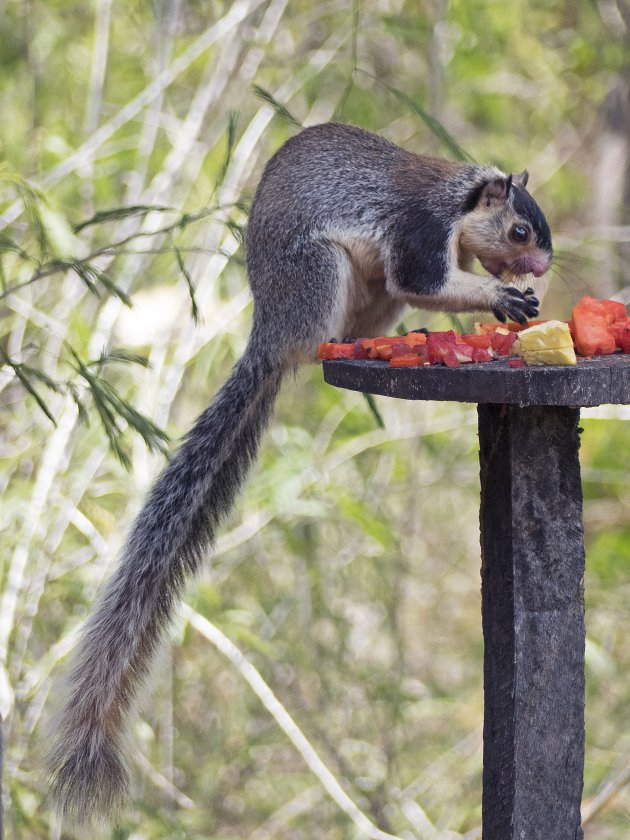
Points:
(365, 308)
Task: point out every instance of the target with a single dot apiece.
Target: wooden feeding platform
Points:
(532, 571)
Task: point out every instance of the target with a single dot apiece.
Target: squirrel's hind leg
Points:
(379, 318)
(303, 297)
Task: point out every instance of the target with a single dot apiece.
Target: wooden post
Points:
(532, 572)
(533, 622)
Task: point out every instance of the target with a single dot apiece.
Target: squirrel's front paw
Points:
(516, 305)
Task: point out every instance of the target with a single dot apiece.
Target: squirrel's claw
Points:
(516, 305)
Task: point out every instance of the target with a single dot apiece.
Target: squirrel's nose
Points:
(536, 265)
(539, 265)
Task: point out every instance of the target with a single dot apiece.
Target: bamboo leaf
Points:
(231, 142)
(431, 122)
(7, 245)
(83, 412)
(456, 321)
(110, 406)
(244, 203)
(434, 125)
(376, 414)
(42, 377)
(92, 276)
(118, 213)
(281, 110)
(154, 437)
(237, 230)
(189, 281)
(31, 198)
(113, 288)
(120, 355)
(26, 383)
(353, 62)
(25, 373)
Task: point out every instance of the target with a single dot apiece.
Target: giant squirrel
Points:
(345, 229)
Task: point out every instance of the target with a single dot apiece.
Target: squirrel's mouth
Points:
(536, 265)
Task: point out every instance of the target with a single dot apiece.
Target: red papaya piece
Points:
(415, 359)
(481, 355)
(502, 343)
(415, 339)
(329, 350)
(615, 310)
(481, 341)
(621, 331)
(592, 333)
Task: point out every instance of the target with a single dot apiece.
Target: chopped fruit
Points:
(330, 350)
(442, 335)
(410, 360)
(621, 331)
(591, 328)
(514, 327)
(416, 339)
(615, 311)
(481, 355)
(597, 327)
(548, 343)
(388, 351)
(448, 347)
(555, 356)
(441, 347)
(387, 347)
(546, 336)
(359, 350)
(510, 326)
(482, 341)
(502, 343)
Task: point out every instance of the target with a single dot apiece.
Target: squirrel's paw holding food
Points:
(515, 305)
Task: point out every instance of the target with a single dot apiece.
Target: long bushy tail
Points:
(88, 764)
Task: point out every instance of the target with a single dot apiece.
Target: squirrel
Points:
(345, 229)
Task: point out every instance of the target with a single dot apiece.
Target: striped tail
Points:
(88, 764)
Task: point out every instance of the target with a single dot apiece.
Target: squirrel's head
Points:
(505, 229)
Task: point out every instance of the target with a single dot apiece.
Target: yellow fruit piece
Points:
(553, 356)
(549, 343)
(547, 336)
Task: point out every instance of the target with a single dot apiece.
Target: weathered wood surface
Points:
(533, 622)
(605, 379)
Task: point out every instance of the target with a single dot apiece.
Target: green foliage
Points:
(110, 405)
(280, 109)
(349, 574)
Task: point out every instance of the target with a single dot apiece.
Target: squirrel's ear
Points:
(496, 191)
(522, 178)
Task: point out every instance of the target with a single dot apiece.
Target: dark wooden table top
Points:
(597, 381)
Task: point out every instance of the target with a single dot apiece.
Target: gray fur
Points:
(344, 230)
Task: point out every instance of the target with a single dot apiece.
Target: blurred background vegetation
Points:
(133, 135)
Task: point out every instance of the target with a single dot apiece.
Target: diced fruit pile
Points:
(597, 327)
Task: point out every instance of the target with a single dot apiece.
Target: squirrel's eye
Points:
(519, 233)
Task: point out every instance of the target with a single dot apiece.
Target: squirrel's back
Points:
(339, 180)
(343, 173)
